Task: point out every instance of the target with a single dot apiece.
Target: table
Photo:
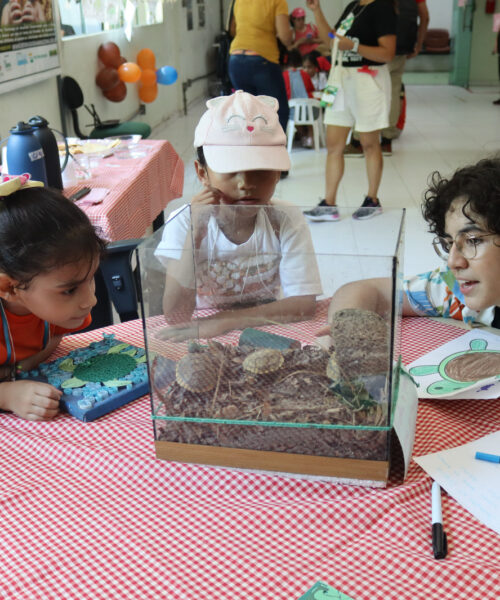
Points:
(87, 512)
(139, 190)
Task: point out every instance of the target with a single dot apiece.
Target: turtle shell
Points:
(195, 372)
(266, 360)
(333, 370)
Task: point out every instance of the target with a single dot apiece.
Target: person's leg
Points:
(327, 210)
(396, 70)
(374, 165)
(370, 141)
(336, 138)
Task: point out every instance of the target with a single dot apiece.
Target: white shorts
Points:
(364, 101)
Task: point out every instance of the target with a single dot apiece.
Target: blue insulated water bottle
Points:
(25, 154)
(48, 143)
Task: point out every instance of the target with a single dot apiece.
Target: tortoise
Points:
(195, 372)
(265, 360)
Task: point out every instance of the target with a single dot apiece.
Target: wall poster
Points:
(28, 44)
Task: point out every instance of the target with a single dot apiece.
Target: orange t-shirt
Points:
(27, 332)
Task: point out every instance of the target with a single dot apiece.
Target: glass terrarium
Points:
(246, 367)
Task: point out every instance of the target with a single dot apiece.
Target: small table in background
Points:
(139, 189)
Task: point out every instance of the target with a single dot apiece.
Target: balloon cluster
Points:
(117, 72)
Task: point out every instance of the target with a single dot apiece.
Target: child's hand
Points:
(31, 400)
(323, 331)
(208, 195)
(201, 328)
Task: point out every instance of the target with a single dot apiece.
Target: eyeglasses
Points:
(470, 245)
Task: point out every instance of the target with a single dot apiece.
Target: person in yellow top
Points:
(254, 55)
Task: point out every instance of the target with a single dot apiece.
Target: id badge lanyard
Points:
(333, 87)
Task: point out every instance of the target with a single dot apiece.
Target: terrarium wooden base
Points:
(322, 466)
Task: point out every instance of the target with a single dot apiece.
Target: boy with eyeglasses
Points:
(464, 213)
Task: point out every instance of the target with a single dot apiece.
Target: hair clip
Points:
(11, 183)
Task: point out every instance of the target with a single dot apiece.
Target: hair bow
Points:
(11, 183)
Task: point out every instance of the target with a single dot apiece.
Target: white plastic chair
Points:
(303, 114)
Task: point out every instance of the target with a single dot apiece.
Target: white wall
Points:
(441, 14)
(190, 52)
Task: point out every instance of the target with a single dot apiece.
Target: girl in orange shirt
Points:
(48, 257)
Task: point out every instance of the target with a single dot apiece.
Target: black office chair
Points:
(72, 97)
(117, 284)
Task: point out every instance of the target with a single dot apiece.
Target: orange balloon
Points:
(129, 72)
(146, 59)
(148, 93)
(116, 94)
(148, 77)
(109, 54)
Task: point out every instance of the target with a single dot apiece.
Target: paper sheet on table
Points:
(475, 484)
(456, 370)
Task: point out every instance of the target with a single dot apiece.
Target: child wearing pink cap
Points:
(234, 248)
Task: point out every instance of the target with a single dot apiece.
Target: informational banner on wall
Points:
(28, 45)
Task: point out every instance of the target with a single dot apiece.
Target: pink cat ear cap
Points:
(242, 132)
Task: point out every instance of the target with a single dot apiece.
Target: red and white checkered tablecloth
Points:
(88, 513)
(139, 189)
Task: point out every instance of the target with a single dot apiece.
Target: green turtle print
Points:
(463, 369)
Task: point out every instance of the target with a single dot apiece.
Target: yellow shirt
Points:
(255, 26)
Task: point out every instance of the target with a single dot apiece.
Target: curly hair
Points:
(478, 185)
(41, 230)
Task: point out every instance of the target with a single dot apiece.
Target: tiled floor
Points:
(447, 127)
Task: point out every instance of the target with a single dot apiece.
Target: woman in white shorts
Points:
(366, 36)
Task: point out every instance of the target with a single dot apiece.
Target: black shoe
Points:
(497, 102)
(284, 174)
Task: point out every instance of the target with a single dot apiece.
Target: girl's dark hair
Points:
(201, 156)
(41, 230)
(312, 57)
(478, 184)
(295, 59)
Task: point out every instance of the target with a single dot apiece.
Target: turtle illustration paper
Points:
(468, 367)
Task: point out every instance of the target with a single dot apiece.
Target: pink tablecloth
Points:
(88, 513)
(139, 189)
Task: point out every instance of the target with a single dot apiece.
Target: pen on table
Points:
(488, 457)
(439, 541)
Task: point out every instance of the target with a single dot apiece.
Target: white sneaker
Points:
(370, 208)
(323, 212)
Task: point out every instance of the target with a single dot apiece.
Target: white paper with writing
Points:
(475, 484)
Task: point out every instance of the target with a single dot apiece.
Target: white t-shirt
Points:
(277, 260)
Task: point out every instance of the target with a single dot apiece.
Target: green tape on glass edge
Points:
(269, 423)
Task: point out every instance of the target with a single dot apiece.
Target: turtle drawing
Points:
(461, 369)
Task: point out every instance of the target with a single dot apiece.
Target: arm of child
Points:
(286, 310)
(32, 400)
(179, 298)
(374, 295)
